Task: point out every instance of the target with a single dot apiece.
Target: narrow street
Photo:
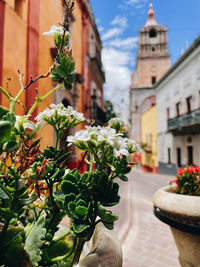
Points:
(145, 240)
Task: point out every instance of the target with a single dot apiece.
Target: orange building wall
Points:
(77, 48)
(51, 13)
(14, 51)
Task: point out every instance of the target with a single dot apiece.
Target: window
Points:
(19, 7)
(168, 113)
(178, 109)
(189, 104)
(153, 48)
(178, 152)
(152, 33)
(153, 80)
(190, 155)
(169, 155)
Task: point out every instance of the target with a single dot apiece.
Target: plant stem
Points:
(78, 250)
(52, 91)
(40, 99)
(5, 93)
(12, 104)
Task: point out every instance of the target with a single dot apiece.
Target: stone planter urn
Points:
(182, 214)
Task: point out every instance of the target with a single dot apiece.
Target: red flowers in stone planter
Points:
(187, 181)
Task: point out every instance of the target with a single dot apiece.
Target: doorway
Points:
(190, 155)
(178, 152)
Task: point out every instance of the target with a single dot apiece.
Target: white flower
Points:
(119, 147)
(60, 116)
(66, 171)
(23, 123)
(118, 124)
(107, 134)
(132, 146)
(54, 30)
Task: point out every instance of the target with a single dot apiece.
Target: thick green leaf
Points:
(105, 215)
(69, 187)
(80, 228)
(35, 240)
(10, 146)
(27, 201)
(15, 254)
(7, 214)
(12, 234)
(3, 111)
(71, 208)
(3, 194)
(81, 210)
(10, 116)
(5, 131)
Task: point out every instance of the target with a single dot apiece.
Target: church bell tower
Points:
(153, 58)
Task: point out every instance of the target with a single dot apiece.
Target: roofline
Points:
(193, 46)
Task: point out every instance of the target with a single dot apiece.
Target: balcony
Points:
(95, 59)
(185, 124)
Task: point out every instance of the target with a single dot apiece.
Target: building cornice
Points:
(194, 45)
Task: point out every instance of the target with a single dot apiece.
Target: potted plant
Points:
(37, 190)
(178, 205)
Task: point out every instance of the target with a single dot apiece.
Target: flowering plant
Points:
(37, 190)
(187, 181)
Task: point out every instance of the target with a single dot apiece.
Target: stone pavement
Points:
(145, 240)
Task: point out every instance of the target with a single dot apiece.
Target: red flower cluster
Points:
(187, 181)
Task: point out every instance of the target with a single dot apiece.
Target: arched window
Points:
(152, 33)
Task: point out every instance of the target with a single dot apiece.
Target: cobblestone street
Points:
(145, 240)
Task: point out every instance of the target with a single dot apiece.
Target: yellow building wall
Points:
(149, 139)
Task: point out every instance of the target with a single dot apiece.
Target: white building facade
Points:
(178, 106)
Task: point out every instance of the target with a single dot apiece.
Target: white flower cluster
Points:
(60, 116)
(54, 30)
(118, 124)
(22, 123)
(99, 137)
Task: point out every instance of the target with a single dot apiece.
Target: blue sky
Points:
(119, 21)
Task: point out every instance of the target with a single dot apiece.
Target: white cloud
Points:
(120, 21)
(100, 29)
(128, 43)
(113, 32)
(118, 76)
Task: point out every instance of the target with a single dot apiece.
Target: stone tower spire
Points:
(153, 57)
(151, 20)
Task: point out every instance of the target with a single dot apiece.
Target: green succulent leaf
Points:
(69, 187)
(3, 194)
(5, 131)
(34, 241)
(14, 254)
(105, 215)
(3, 112)
(81, 210)
(80, 228)
(10, 146)
(7, 213)
(72, 210)
(28, 200)
(10, 116)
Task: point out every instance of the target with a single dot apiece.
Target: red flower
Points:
(180, 171)
(175, 180)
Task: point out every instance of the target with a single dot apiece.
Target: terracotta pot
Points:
(182, 214)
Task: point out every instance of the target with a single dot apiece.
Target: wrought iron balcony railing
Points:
(186, 123)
